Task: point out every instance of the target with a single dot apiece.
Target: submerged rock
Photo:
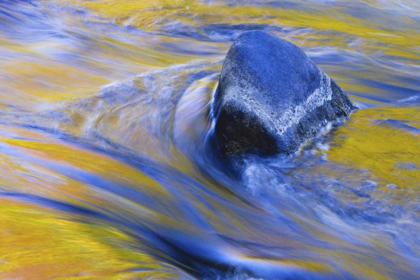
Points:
(271, 97)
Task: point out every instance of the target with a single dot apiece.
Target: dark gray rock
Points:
(271, 97)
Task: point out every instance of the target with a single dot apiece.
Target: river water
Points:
(105, 167)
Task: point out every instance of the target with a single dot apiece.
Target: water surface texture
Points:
(106, 170)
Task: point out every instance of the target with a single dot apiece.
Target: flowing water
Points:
(105, 167)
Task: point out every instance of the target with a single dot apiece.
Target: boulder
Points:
(271, 97)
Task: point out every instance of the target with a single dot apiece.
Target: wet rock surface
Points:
(271, 97)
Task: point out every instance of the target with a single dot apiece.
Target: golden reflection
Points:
(38, 243)
(87, 161)
(145, 14)
(368, 141)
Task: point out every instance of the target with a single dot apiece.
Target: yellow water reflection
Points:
(146, 15)
(369, 140)
(38, 243)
